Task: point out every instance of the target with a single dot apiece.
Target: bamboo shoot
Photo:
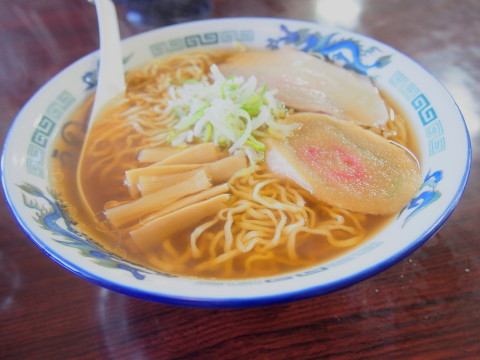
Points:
(222, 170)
(132, 176)
(151, 155)
(196, 154)
(149, 235)
(134, 210)
(151, 184)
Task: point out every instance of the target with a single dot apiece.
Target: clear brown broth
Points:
(63, 175)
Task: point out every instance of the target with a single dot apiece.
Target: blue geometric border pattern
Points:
(43, 131)
(205, 39)
(425, 111)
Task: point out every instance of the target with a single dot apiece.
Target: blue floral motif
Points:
(426, 197)
(50, 217)
(349, 52)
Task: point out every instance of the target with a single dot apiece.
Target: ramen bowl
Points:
(443, 147)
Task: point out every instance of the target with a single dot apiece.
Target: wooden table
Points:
(425, 307)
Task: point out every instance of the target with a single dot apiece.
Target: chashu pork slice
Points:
(344, 165)
(308, 83)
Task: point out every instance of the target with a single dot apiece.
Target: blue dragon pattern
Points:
(348, 52)
(50, 218)
(428, 195)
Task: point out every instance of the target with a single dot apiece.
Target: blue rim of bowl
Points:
(205, 302)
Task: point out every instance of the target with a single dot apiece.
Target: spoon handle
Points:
(111, 80)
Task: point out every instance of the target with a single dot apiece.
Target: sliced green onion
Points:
(188, 121)
(257, 145)
(229, 112)
(208, 131)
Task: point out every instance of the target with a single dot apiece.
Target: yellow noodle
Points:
(263, 228)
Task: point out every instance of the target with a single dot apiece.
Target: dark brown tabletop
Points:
(425, 307)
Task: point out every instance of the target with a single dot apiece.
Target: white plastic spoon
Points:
(110, 79)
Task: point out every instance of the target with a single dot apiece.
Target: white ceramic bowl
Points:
(436, 120)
